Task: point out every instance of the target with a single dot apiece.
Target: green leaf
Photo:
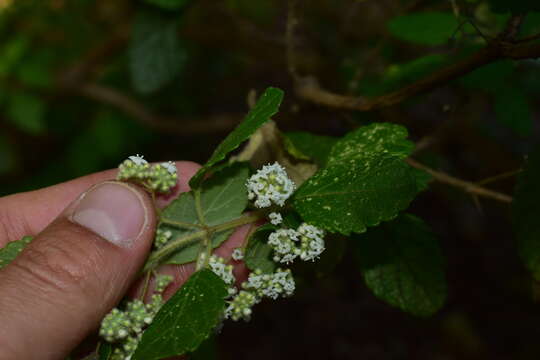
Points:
(12, 53)
(398, 75)
(35, 71)
(422, 179)
(105, 350)
(365, 182)
(307, 146)
(27, 112)
(427, 28)
(490, 78)
(155, 54)
(169, 4)
(526, 212)
(402, 264)
(513, 110)
(207, 351)
(222, 198)
(258, 252)
(266, 107)
(12, 249)
(186, 320)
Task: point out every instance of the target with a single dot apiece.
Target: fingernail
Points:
(113, 210)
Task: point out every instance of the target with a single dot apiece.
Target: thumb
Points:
(61, 286)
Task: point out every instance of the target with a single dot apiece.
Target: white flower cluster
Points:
(275, 218)
(160, 178)
(311, 242)
(284, 242)
(124, 328)
(258, 286)
(225, 272)
(280, 283)
(162, 238)
(271, 184)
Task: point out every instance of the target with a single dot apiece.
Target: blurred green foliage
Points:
(83, 84)
(186, 61)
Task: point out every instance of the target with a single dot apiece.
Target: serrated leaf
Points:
(12, 249)
(365, 182)
(402, 264)
(307, 146)
(169, 4)
(526, 212)
(222, 198)
(258, 252)
(186, 320)
(156, 55)
(426, 28)
(266, 107)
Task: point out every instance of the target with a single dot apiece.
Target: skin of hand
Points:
(92, 235)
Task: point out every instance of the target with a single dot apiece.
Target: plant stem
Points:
(180, 224)
(206, 249)
(466, 186)
(157, 257)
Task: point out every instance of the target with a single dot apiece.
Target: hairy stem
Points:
(157, 257)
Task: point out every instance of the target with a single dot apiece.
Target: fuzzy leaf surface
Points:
(12, 249)
(266, 107)
(156, 55)
(222, 198)
(402, 264)
(365, 181)
(186, 320)
(526, 212)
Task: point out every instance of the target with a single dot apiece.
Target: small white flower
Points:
(240, 306)
(280, 283)
(311, 242)
(225, 272)
(138, 159)
(271, 184)
(275, 218)
(170, 166)
(237, 254)
(283, 243)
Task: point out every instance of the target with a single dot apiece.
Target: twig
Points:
(466, 186)
(136, 110)
(512, 28)
(502, 176)
(529, 38)
(309, 89)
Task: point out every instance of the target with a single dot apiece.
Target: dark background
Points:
(68, 108)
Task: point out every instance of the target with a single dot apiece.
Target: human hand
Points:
(85, 256)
